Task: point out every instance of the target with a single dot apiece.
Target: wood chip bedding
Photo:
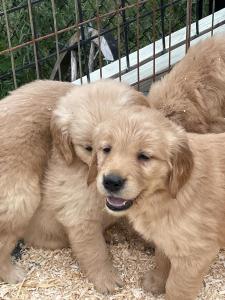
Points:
(56, 275)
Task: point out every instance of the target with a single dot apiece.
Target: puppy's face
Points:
(139, 153)
(80, 111)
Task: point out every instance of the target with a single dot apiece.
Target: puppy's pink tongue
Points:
(116, 201)
(118, 204)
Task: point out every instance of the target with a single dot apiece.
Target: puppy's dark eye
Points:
(143, 157)
(88, 148)
(106, 149)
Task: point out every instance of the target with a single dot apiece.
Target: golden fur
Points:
(70, 212)
(193, 93)
(24, 149)
(176, 182)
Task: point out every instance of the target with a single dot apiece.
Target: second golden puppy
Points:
(171, 185)
(71, 213)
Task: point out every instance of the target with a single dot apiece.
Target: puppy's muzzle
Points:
(113, 183)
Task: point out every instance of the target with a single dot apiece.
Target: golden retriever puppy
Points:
(171, 185)
(25, 142)
(70, 212)
(193, 93)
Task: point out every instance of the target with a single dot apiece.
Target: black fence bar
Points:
(124, 20)
(125, 30)
(163, 22)
(83, 39)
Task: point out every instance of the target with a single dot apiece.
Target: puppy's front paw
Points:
(12, 274)
(106, 281)
(153, 282)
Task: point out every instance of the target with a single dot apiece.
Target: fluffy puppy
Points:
(70, 212)
(193, 93)
(25, 143)
(171, 185)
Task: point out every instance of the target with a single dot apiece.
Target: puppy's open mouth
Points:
(118, 204)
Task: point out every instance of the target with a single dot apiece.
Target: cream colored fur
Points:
(25, 142)
(71, 213)
(193, 93)
(178, 193)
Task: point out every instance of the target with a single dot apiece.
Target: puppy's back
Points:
(193, 93)
(24, 128)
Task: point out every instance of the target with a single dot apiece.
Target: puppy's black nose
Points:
(113, 183)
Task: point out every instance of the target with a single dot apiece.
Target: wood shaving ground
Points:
(56, 275)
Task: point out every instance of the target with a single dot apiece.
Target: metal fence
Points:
(70, 39)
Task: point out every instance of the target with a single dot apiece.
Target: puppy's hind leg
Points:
(18, 201)
(45, 231)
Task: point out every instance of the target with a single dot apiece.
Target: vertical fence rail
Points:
(188, 24)
(162, 15)
(80, 21)
(33, 38)
(138, 43)
(99, 39)
(199, 10)
(78, 42)
(153, 36)
(118, 39)
(213, 11)
(125, 28)
(170, 31)
(56, 37)
(9, 44)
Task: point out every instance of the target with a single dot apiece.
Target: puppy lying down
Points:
(71, 213)
(193, 93)
(171, 186)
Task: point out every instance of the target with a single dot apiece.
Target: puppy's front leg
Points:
(89, 247)
(155, 280)
(186, 276)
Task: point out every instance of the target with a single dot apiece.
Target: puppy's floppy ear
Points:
(92, 173)
(60, 133)
(181, 167)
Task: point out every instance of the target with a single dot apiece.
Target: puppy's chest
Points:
(169, 236)
(144, 224)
